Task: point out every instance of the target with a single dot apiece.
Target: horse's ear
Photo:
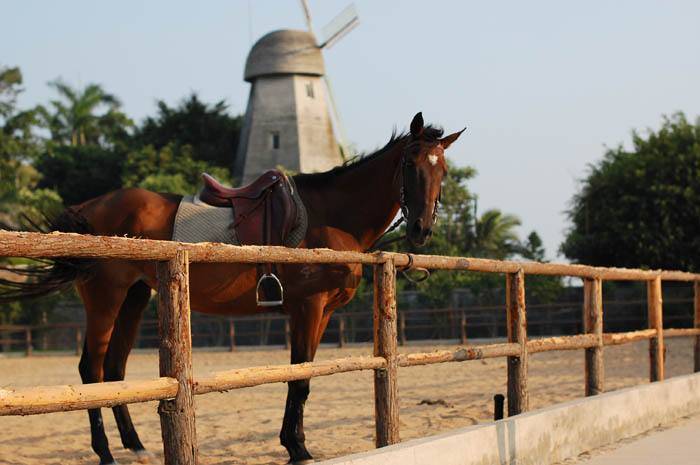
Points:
(447, 140)
(417, 125)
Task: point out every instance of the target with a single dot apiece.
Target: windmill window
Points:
(275, 138)
(310, 90)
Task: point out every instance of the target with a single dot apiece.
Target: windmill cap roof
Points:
(284, 52)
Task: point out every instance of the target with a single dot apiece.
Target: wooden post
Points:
(656, 322)
(697, 325)
(386, 396)
(176, 415)
(28, 341)
(231, 335)
(463, 328)
(498, 407)
(341, 332)
(287, 334)
(518, 398)
(402, 329)
(593, 324)
(78, 341)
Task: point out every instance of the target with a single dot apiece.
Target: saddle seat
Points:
(218, 195)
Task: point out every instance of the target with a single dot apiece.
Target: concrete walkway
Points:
(678, 445)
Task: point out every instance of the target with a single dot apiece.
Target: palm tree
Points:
(74, 120)
(494, 235)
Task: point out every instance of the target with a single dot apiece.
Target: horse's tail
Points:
(47, 277)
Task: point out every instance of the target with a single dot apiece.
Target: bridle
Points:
(379, 243)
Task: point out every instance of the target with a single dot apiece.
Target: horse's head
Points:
(423, 167)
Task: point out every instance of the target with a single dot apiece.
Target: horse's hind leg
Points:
(120, 344)
(102, 300)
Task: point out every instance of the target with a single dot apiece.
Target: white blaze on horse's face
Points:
(433, 159)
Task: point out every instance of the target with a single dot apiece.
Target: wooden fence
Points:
(176, 387)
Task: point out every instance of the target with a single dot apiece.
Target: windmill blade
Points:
(338, 126)
(340, 26)
(307, 14)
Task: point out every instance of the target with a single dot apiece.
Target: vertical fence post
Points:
(697, 324)
(28, 341)
(462, 328)
(402, 329)
(176, 415)
(231, 335)
(386, 396)
(656, 321)
(341, 332)
(593, 324)
(78, 341)
(287, 334)
(518, 397)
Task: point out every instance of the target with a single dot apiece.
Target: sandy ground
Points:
(242, 426)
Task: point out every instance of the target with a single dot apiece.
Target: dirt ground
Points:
(242, 426)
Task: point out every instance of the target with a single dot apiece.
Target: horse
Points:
(349, 208)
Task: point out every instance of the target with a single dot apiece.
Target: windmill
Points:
(291, 119)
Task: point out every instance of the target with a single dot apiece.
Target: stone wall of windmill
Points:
(287, 121)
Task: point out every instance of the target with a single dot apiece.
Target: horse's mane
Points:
(430, 133)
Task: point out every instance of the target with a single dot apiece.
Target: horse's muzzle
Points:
(417, 234)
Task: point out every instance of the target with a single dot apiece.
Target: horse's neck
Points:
(364, 200)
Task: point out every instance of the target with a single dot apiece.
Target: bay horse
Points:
(349, 208)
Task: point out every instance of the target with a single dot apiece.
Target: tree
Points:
(539, 289)
(641, 208)
(209, 130)
(88, 145)
(19, 147)
(495, 235)
(79, 173)
(532, 248)
(75, 119)
(170, 169)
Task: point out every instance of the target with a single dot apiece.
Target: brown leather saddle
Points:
(264, 213)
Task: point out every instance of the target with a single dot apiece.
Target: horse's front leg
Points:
(307, 322)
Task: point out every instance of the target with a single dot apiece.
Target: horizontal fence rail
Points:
(177, 386)
(37, 245)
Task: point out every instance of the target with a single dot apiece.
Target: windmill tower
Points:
(290, 120)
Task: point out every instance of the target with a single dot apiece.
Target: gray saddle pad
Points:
(197, 221)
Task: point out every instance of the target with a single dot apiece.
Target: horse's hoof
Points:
(145, 456)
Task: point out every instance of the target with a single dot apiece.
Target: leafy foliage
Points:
(641, 208)
(19, 147)
(170, 169)
(80, 172)
(75, 119)
(92, 149)
(209, 130)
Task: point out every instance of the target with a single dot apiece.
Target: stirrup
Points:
(268, 279)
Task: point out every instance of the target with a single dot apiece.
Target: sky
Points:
(543, 87)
